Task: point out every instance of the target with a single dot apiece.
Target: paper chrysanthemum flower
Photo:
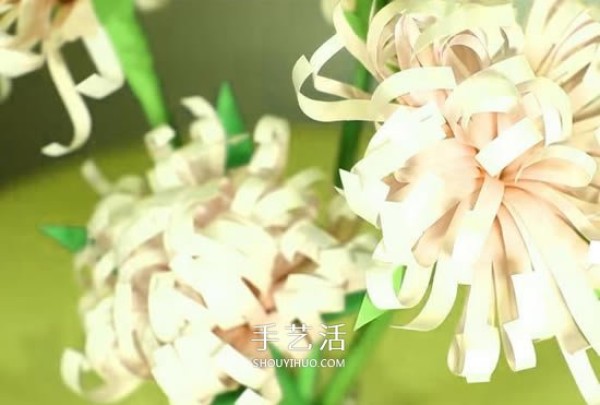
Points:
(181, 276)
(482, 172)
(33, 33)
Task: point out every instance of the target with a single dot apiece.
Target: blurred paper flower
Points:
(483, 172)
(33, 32)
(182, 276)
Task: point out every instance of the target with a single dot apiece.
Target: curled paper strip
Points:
(484, 166)
(181, 276)
(48, 25)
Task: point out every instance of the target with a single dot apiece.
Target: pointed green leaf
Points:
(368, 311)
(239, 143)
(239, 151)
(287, 382)
(229, 111)
(72, 238)
(119, 19)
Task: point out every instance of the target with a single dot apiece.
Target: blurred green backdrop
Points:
(197, 45)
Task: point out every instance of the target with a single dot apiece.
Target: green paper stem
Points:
(308, 377)
(362, 346)
(288, 384)
(351, 130)
(120, 20)
(349, 138)
(367, 337)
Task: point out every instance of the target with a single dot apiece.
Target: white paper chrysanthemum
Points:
(482, 171)
(33, 32)
(180, 276)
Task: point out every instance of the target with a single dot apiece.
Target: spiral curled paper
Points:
(32, 32)
(483, 171)
(180, 276)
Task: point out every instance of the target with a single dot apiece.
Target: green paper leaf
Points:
(307, 376)
(239, 144)
(352, 306)
(287, 382)
(120, 21)
(72, 238)
(228, 398)
(368, 311)
(228, 111)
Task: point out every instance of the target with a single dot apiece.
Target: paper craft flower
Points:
(482, 172)
(182, 277)
(33, 32)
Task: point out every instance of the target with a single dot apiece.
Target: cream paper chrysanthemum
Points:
(32, 32)
(482, 172)
(181, 276)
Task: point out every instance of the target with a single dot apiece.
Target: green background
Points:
(198, 44)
